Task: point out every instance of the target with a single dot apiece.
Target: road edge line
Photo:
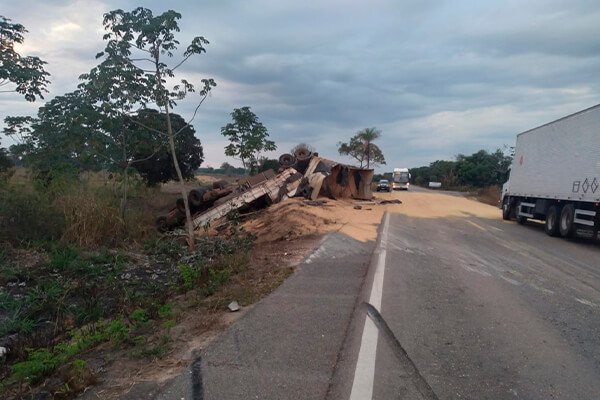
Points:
(364, 374)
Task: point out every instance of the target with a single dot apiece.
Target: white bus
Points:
(401, 177)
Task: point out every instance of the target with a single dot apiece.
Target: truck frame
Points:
(555, 175)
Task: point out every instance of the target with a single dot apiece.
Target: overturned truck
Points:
(302, 174)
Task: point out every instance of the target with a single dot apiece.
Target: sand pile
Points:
(290, 220)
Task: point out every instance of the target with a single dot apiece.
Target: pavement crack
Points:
(413, 372)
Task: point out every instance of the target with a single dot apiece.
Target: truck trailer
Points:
(555, 175)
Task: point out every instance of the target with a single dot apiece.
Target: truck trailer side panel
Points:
(559, 160)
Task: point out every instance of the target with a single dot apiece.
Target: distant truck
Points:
(555, 175)
(401, 178)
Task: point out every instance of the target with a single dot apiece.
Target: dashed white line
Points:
(364, 375)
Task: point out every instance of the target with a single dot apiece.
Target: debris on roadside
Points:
(301, 174)
(395, 201)
(233, 306)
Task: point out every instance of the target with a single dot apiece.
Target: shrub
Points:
(91, 217)
(28, 215)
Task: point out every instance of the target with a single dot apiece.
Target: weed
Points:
(159, 350)
(188, 275)
(16, 323)
(79, 365)
(118, 331)
(165, 311)
(39, 363)
(64, 257)
(139, 317)
(28, 215)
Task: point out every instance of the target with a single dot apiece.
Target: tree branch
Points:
(182, 61)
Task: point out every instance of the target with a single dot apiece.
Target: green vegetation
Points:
(479, 170)
(71, 299)
(247, 137)
(362, 149)
(26, 73)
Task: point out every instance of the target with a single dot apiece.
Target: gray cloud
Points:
(438, 77)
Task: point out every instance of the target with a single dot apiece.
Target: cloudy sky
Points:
(437, 77)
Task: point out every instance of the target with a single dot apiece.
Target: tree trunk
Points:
(125, 180)
(188, 214)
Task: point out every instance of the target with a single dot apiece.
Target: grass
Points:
(78, 298)
(74, 273)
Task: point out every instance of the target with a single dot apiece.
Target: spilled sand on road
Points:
(294, 218)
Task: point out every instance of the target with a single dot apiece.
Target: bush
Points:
(92, 217)
(28, 215)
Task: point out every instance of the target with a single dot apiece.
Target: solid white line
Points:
(364, 375)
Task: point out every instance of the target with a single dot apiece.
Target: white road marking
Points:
(586, 302)
(511, 281)
(364, 375)
(477, 270)
(482, 228)
(541, 289)
(477, 225)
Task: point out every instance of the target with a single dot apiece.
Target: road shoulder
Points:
(287, 346)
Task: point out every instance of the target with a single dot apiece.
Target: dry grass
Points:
(489, 195)
(91, 218)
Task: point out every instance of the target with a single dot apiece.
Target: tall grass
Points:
(81, 210)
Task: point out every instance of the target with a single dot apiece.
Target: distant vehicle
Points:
(401, 177)
(384, 186)
(555, 175)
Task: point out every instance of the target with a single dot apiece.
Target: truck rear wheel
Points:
(567, 227)
(552, 224)
(506, 209)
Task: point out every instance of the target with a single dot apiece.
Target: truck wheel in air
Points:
(520, 219)
(566, 225)
(552, 221)
(506, 209)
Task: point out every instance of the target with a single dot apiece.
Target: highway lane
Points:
(485, 309)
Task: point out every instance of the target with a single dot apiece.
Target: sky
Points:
(438, 78)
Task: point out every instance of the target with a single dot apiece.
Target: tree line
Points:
(480, 169)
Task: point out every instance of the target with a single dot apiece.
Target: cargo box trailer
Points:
(555, 175)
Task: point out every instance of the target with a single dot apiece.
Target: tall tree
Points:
(157, 166)
(25, 72)
(362, 149)
(247, 136)
(134, 73)
(368, 135)
(67, 130)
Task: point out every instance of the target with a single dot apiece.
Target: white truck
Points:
(555, 175)
(401, 178)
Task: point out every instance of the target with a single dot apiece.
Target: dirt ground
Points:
(286, 234)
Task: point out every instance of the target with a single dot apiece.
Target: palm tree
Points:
(368, 135)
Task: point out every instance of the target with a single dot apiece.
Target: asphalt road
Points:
(475, 308)
(481, 309)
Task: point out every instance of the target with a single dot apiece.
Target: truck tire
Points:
(520, 219)
(566, 225)
(552, 221)
(506, 209)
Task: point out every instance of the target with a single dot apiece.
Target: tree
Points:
(247, 136)
(157, 166)
(362, 149)
(133, 73)
(27, 73)
(482, 168)
(6, 163)
(67, 130)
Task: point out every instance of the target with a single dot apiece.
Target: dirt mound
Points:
(289, 221)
